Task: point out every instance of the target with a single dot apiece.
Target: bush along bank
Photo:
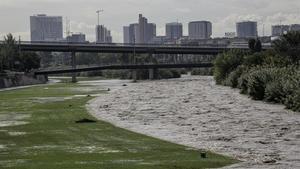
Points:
(272, 76)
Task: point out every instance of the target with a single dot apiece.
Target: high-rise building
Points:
(46, 28)
(295, 27)
(200, 30)
(134, 32)
(246, 29)
(173, 30)
(126, 34)
(103, 35)
(142, 29)
(77, 38)
(278, 30)
(146, 31)
(141, 32)
(150, 32)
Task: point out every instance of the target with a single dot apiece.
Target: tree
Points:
(9, 53)
(10, 50)
(257, 46)
(251, 44)
(289, 45)
(29, 61)
(12, 59)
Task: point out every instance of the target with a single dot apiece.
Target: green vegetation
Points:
(272, 75)
(202, 71)
(41, 132)
(12, 59)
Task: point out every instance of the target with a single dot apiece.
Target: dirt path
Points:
(193, 111)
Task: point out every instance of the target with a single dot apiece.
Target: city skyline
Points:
(84, 17)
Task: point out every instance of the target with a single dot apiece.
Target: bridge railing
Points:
(119, 44)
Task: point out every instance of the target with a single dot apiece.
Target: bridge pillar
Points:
(152, 61)
(151, 74)
(74, 79)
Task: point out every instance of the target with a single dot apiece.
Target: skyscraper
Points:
(246, 29)
(134, 32)
(141, 32)
(142, 29)
(46, 28)
(126, 34)
(200, 30)
(173, 30)
(150, 32)
(103, 35)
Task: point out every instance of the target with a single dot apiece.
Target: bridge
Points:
(119, 67)
(149, 49)
(122, 48)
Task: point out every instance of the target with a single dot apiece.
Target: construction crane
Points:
(98, 12)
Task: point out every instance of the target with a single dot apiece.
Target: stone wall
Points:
(14, 79)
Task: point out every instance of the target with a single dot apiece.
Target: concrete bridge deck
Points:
(132, 67)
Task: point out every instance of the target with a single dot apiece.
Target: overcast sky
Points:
(14, 14)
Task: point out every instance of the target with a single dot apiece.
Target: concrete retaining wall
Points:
(20, 79)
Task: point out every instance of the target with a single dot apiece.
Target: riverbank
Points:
(193, 111)
(49, 127)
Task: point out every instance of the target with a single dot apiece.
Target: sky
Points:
(14, 14)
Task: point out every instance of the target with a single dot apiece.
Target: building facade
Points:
(200, 30)
(46, 28)
(103, 35)
(295, 27)
(278, 30)
(247, 29)
(126, 34)
(174, 30)
(76, 38)
(141, 32)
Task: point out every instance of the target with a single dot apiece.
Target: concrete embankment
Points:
(193, 111)
(14, 79)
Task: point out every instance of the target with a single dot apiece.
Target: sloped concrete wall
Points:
(20, 79)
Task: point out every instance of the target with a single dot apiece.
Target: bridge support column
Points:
(151, 74)
(74, 79)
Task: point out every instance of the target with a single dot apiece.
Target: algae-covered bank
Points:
(38, 129)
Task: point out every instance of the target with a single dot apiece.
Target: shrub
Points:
(233, 77)
(183, 71)
(257, 81)
(289, 45)
(293, 101)
(226, 63)
(175, 73)
(243, 83)
(202, 71)
(291, 88)
(254, 59)
(165, 74)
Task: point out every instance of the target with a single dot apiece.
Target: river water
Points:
(195, 112)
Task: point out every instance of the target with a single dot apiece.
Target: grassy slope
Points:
(54, 140)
